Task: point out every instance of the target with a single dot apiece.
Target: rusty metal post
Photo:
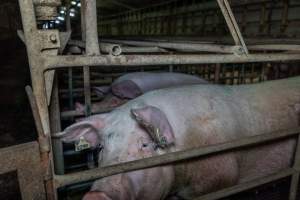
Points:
(36, 41)
(43, 143)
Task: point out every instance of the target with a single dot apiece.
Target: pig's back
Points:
(236, 111)
(148, 81)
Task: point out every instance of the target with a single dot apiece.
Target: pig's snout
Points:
(96, 196)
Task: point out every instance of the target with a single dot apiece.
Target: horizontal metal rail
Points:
(185, 47)
(63, 180)
(247, 185)
(56, 62)
(77, 113)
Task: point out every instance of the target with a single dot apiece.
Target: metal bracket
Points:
(49, 39)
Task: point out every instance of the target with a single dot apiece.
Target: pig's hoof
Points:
(96, 196)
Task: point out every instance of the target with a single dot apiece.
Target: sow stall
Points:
(45, 47)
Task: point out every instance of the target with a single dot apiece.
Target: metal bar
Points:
(295, 177)
(43, 143)
(170, 158)
(70, 88)
(89, 11)
(57, 146)
(75, 113)
(275, 47)
(25, 159)
(87, 90)
(33, 46)
(180, 46)
(57, 62)
(143, 50)
(92, 43)
(112, 49)
(232, 24)
(246, 186)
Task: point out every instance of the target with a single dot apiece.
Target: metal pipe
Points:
(171, 158)
(247, 185)
(92, 43)
(57, 62)
(143, 50)
(232, 25)
(181, 46)
(55, 119)
(112, 49)
(275, 47)
(75, 113)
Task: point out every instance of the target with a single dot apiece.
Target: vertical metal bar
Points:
(38, 83)
(87, 90)
(217, 73)
(89, 16)
(92, 48)
(70, 88)
(295, 177)
(43, 144)
(262, 20)
(284, 18)
(58, 158)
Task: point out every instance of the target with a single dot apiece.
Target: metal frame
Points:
(42, 48)
(25, 159)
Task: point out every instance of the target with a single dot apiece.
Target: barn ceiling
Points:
(107, 7)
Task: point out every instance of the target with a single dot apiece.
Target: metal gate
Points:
(44, 49)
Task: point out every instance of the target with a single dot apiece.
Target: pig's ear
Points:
(101, 91)
(126, 89)
(87, 130)
(155, 122)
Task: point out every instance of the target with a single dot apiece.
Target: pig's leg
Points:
(118, 187)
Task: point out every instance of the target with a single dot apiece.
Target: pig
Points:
(176, 119)
(135, 84)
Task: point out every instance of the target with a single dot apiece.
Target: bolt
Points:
(53, 38)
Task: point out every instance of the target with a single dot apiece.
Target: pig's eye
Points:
(144, 145)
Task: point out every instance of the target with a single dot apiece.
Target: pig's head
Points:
(126, 89)
(126, 135)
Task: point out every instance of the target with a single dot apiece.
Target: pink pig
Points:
(132, 85)
(176, 119)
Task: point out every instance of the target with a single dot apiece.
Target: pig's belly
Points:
(266, 160)
(196, 178)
